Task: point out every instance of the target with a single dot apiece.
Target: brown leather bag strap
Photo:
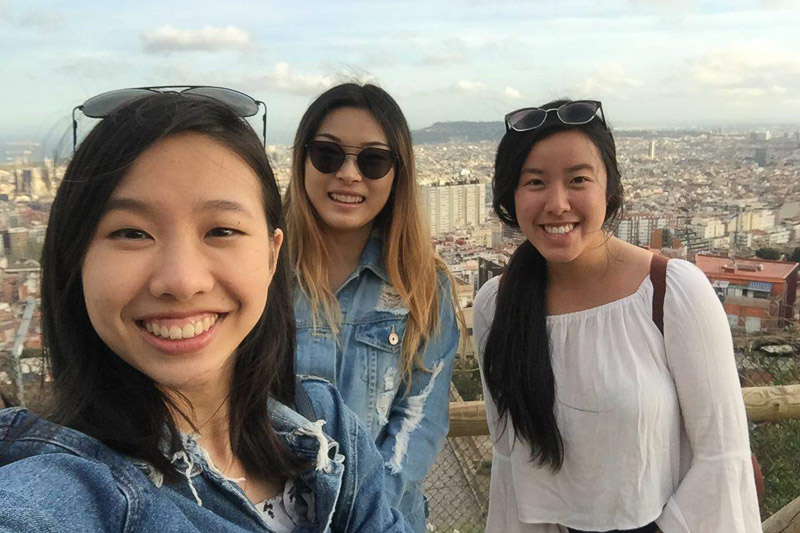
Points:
(658, 277)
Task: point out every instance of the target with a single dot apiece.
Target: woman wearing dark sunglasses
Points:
(168, 327)
(612, 393)
(375, 314)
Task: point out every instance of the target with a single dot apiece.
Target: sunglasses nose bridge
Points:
(349, 168)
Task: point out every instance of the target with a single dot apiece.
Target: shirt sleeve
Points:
(717, 494)
(419, 417)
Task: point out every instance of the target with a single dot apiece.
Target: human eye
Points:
(223, 232)
(129, 234)
(532, 182)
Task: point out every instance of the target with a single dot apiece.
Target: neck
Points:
(208, 418)
(587, 269)
(344, 252)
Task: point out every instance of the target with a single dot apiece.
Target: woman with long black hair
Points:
(168, 327)
(600, 422)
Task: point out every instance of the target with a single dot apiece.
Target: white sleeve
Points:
(502, 517)
(718, 492)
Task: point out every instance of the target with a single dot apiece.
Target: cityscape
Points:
(727, 200)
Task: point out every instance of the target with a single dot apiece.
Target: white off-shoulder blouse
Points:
(654, 426)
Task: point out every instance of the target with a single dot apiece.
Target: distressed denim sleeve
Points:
(362, 506)
(39, 492)
(419, 416)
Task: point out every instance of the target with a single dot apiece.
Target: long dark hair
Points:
(517, 365)
(95, 391)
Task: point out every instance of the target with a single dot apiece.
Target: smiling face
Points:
(178, 270)
(345, 201)
(560, 199)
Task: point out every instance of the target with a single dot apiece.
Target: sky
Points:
(653, 63)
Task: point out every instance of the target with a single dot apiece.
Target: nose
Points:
(557, 200)
(181, 271)
(349, 172)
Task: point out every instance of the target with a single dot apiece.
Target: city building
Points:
(757, 294)
(636, 228)
(454, 206)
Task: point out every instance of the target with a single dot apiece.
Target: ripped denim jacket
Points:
(363, 363)
(59, 480)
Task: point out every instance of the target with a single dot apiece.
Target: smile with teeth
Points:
(559, 230)
(177, 329)
(346, 198)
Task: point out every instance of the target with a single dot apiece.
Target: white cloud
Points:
(41, 19)
(748, 69)
(469, 86)
(205, 39)
(510, 92)
(610, 79)
(284, 79)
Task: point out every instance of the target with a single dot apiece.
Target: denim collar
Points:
(372, 258)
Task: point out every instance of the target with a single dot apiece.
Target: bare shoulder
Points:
(630, 262)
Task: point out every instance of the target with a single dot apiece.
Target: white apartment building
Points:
(708, 227)
(636, 228)
(454, 206)
(752, 219)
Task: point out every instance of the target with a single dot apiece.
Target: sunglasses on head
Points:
(328, 157)
(573, 113)
(104, 104)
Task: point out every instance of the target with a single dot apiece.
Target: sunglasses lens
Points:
(374, 163)
(527, 119)
(577, 112)
(327, 157)
(242, 105)
(104, 104)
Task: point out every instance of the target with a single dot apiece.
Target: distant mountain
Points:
(442, 132)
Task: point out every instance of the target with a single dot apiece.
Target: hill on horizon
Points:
(460, 131)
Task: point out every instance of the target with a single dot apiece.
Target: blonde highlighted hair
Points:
(411, 263)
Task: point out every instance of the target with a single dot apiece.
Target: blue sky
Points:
(651, 62)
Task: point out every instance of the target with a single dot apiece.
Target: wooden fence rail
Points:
(468, 419)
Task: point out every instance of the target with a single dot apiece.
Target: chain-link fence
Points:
(458, 484)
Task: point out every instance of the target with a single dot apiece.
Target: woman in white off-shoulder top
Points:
(600, 422)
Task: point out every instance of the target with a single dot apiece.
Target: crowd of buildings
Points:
(711, 198)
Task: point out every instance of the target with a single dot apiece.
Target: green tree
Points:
(795, 255)
(768, 253)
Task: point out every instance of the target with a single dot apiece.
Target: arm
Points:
(362, 504)
(59, 493)
(717, 493)
(418, 419)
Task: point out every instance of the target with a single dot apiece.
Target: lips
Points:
(342, 198)
(174, 328)
(558, 229)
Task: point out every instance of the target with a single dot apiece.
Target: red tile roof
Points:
(712, 265)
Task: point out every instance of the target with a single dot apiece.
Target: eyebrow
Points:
(338, 140)
(574, 168)
(138, 206)
(581, 166)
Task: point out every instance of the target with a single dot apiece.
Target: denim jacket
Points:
(406, 422)
(55, 479)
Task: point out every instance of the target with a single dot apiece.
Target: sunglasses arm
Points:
(75, 127)
(264, 127)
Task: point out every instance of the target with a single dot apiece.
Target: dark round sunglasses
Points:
(104, 104)
(328, 157)
(573, 113)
